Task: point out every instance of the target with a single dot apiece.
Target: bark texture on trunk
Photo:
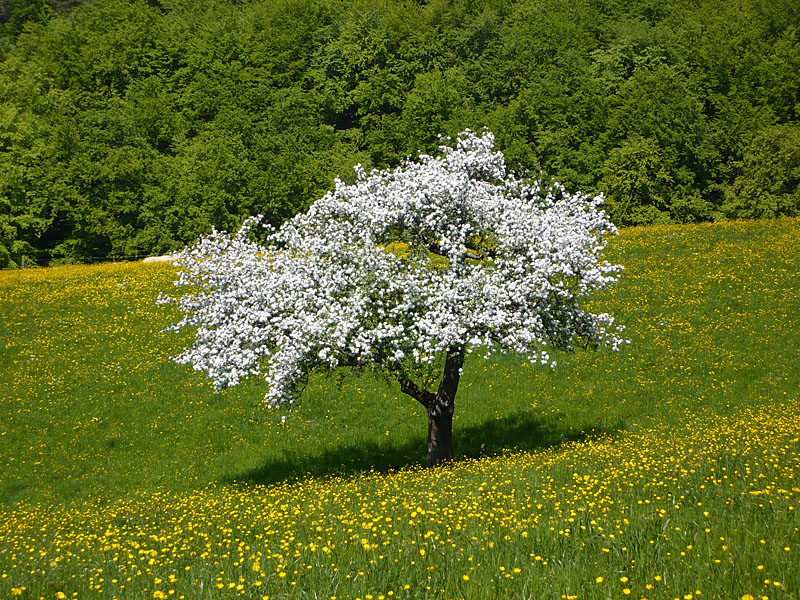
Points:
(440, 438)
(440, 407)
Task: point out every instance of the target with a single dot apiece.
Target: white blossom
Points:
(397, 268)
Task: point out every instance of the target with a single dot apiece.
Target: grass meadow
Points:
(668, 470)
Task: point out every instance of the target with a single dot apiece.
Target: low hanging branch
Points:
(325, 291)
(423, 396)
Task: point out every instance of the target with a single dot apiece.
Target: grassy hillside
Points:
(668, 470)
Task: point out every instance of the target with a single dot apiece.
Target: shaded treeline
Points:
(132, 127)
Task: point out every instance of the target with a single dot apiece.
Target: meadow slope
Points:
(667, 470)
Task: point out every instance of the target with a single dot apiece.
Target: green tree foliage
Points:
(15, 13)
(768, 184)
(131, 127)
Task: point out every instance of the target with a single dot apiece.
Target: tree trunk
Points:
(440, 407)
(440, 437)
(440, 411)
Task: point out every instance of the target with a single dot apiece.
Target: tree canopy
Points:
(400, 271)
(133, 127)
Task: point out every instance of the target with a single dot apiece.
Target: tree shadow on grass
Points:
(512, 433)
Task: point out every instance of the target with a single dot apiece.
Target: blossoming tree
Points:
(408, 271)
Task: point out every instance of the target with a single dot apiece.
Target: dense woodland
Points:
(131, 127)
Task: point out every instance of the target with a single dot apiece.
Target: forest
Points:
(131, 127)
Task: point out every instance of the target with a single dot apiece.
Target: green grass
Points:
(689, 435)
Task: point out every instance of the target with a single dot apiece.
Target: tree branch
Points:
(436, 249)
(486, 254)
(419, 394)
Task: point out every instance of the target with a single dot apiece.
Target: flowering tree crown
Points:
(448, 252)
